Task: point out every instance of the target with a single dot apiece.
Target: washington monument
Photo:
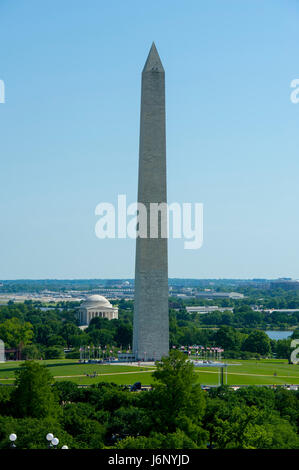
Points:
(151, 325)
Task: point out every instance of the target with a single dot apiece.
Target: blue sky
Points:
(69, 132)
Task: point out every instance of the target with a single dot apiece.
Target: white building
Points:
(229, 295)
(208, 309)
(96, 306)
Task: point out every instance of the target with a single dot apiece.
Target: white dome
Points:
(96, 300)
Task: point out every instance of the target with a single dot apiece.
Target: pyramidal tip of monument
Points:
(153, 62)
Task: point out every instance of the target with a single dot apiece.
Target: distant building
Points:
(280, 310)
(284, 283)
(117, 293)
(229, 295)
(183, 296)
(96, 306)
(207, 309)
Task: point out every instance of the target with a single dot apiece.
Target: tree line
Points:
(47, 334)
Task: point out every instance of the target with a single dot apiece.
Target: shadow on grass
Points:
(63, 365)
(12, 369)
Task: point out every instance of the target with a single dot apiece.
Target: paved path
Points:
(107, 373)
(97, 375)
(197, 371)
(256, 375)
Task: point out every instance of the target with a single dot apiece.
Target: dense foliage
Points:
(175, 414)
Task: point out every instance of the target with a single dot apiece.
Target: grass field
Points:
(254, 373)
(245, 373)
(72, 370)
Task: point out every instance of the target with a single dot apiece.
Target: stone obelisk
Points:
(151, 324)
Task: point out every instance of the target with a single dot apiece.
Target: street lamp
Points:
(55, 442)
(49, 438)
(12, 438)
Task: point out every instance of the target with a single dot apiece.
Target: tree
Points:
(257, 342)
(177, 401)
(67, 331)
(123, 335)
(54, 352)
(14, 331)
(261, 397)
(130, 420)
(108, 396)
(5, 401)
(216, 410)
(33, 396)
(295, 334)
(238, 426)
(79, 421)
(101, 337)
(32, 432)
(31, 352)
(282, 348)
(228, 338)
(80, 339)
(287, 403)
(66, 391)
(176, 440)
(56, 340)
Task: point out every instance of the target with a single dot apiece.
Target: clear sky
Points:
(69, 131)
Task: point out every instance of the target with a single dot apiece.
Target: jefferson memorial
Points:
(96, 306)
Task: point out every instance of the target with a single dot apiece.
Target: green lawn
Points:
(246, 372)
(254, 373)
(122, 379)
(72, 370)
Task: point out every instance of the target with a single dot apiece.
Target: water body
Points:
(279, 334)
